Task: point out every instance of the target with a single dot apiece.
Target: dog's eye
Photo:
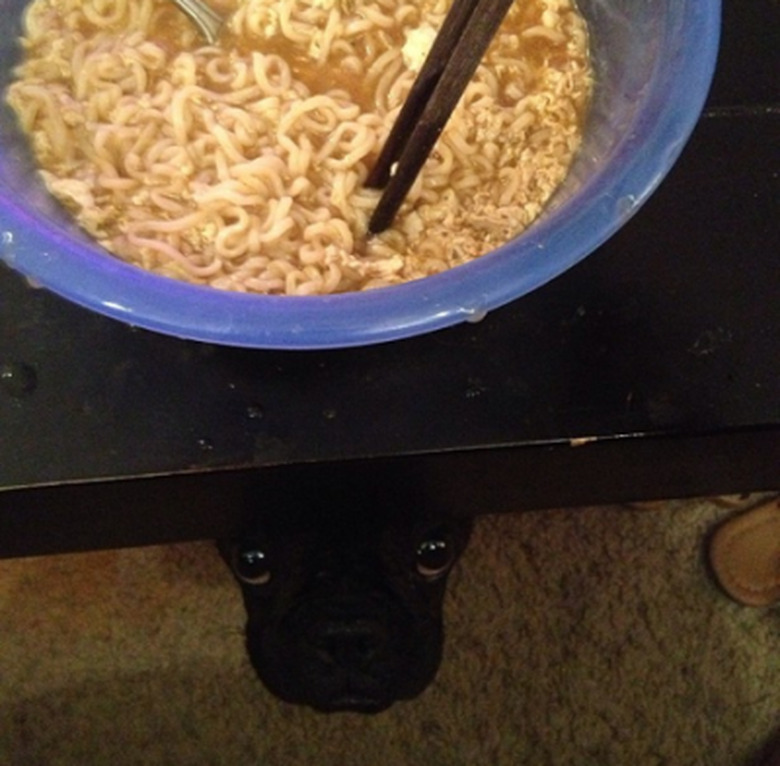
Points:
(252, 566)
(434, 556)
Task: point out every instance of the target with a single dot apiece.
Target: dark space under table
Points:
(650, 370)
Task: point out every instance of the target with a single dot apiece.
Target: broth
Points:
(241, 165)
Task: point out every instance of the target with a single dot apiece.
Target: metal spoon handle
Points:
(204, 17)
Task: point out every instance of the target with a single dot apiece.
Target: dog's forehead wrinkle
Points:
(338, 584)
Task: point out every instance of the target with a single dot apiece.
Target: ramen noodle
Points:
(241, 165)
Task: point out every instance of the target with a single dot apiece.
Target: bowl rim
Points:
(44, 251)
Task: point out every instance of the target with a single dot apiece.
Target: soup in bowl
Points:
(648, 87)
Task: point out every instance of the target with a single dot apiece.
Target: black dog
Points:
(345, 610)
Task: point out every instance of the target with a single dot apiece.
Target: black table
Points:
(651, 370)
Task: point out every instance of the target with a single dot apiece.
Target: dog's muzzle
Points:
(358, 654)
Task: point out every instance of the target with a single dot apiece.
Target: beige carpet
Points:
(590, 636)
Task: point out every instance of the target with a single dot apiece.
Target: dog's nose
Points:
(351, 644)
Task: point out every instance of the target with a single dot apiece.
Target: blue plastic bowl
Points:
(654, 64)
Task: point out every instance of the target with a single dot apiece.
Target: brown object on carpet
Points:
(745, 555)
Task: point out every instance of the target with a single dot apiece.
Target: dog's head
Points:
(345, 612)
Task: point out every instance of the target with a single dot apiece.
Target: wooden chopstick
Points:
(465, 35)
(421, 90)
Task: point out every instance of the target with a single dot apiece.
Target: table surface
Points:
(649, 370)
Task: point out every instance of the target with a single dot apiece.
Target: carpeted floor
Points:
(586, 637)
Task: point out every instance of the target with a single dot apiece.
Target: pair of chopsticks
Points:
(465, 35)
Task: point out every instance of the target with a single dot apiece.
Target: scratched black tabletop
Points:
(649, 370)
